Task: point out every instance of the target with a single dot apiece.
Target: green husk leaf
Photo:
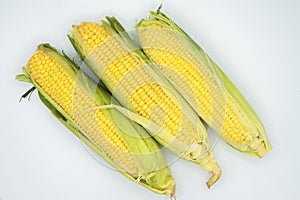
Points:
(23, 78)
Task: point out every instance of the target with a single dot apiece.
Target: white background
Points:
(255, 42)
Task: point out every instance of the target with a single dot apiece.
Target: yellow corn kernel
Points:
(200, 90)
(203, 84)
(61, 88)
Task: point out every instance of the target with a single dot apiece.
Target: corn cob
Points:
(138, 86)
(75, 101)
(203, 84)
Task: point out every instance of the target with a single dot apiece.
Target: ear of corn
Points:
(141, 87)
(203, 84)
(76, 101)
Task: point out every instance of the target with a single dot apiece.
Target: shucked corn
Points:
(203, 84)
(133, 80)
(75, 100)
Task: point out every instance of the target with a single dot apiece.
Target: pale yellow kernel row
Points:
(143, 100)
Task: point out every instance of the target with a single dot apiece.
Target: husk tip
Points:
(214, 178)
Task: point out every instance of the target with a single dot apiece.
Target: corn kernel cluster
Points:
(74, 101)
(53, 79)
(93, 34)
(129, 78)
(163, 47)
